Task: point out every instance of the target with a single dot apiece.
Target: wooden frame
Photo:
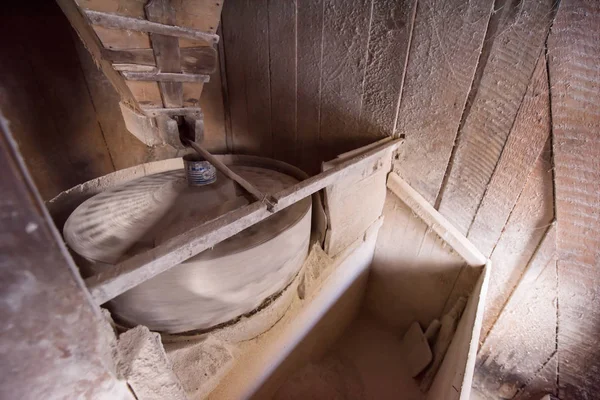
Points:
(139, 268)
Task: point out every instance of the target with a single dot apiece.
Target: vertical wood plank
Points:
(523, 340)
(346, 35)
(446, 43)
(246, 35)
(282, 69)
(390, 36)
(528, 135)
(524, 230)
(505, 76)
(49, 105)
(235, 60)
(574, 50)
(309, 54)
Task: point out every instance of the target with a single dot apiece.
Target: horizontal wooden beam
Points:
(153, 76)
(114, 21)
(173, 112)
(435, 220)
(141, 267)
(194, 60)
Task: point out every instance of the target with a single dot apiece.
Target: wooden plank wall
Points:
(499, 113)
(63, 112)
(470, 87)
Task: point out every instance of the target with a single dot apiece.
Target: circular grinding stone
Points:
(217, 285)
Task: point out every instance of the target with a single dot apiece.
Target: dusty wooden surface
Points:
(574, 49)
(310, 80)
(446, 43)
(506, 69)
(61, 147)
(52, 341)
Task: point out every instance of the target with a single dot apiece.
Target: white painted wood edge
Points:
(435, 220)
(465, 392)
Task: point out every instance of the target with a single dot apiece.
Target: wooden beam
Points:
(164, 76)
(194, 60)
(95, 47)
(173, 112)
(144, 266)
(435, 220)
(113, 21)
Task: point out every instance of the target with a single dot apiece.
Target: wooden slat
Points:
(523, 340)
(435, 220)
(144, 266)
(489, 117)
(94, 46)
(573, 51)
(446, 42)
(522, 234)
(172, 112)
(529, 133)
(344, 53)
(194, 60)
(309, 15)
(389, 42)
(113, 21)
(166, 52)
(164, 76)
(282, 71)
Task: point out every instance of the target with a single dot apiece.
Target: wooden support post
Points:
(141, 267)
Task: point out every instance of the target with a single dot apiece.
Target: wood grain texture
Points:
(246, 42)
(489, 118)
(354, 203)
(46, 85)
(523, 340)
(446, 43)
(166, 51)
(194, 60)
(308, 69)
(42, 297)
(436, 221)
(389, 42)
(282, 75)
(522, 234)
(529, 133)
(413, 270)
(125, 149)
(574, 49)
(345, 39)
